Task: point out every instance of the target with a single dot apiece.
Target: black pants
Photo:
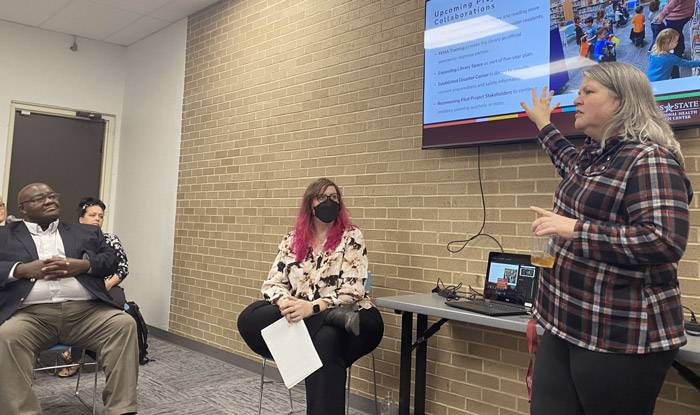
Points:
(325, 388)
(678, 26)
(655, 29)
(575, 381)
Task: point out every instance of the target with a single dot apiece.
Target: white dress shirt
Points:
(48, 244)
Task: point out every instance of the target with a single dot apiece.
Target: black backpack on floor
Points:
(141, 329)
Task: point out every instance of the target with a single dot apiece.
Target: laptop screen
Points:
(511, 278)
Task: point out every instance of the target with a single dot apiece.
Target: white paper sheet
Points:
(292, 349)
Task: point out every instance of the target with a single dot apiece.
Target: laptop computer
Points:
(509, 286)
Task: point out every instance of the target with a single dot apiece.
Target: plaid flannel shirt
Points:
(614, 287)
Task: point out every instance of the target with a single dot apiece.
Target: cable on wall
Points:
(465, 242)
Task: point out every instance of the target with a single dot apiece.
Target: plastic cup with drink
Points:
(542, 254)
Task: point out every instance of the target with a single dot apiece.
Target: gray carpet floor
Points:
(178, 381)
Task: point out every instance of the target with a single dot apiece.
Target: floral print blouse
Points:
(123, 264)
(337, 276)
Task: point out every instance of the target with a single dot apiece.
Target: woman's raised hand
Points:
(540, 111)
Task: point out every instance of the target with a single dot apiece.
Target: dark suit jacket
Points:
(17, 245)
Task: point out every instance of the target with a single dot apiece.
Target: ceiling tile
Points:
(177, 9)
(107, 20)
(138, 6)
(137, 31)
(29, 12)
(89, 19)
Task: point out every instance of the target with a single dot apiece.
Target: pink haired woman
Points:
(319, 277)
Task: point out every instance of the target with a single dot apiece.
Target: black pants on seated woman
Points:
(320, 272)
(338, 349)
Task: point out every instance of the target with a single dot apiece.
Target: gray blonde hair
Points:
(639, 117)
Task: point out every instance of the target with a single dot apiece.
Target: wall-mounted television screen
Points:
(482, 57)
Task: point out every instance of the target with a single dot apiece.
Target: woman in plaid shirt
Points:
(611, 305)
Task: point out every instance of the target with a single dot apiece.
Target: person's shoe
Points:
(67, 372)
(344, 317)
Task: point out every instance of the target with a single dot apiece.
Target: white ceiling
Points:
(116, 21)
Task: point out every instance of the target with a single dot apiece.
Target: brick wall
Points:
(278, 93)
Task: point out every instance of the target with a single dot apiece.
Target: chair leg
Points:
(374, 378)
(262, 384)
(94, 384)
(347, 392)
(80, 364)
(94, 387)
(55, 363)
(80, 372)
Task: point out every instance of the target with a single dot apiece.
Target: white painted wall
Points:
(148, 167)
(37, 66)
(141, 85)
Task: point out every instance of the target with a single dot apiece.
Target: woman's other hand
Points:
(549, 223)
(295, 309)
(112, 281)
(540, 111)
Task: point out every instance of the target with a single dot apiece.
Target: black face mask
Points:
(327, 211)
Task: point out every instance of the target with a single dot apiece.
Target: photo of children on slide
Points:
(634, 32)
(481, 56)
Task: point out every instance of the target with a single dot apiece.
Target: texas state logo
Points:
(679, 111)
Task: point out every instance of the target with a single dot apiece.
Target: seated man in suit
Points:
(52, 290)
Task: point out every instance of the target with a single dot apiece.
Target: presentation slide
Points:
(470, 61)
(482, 57)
